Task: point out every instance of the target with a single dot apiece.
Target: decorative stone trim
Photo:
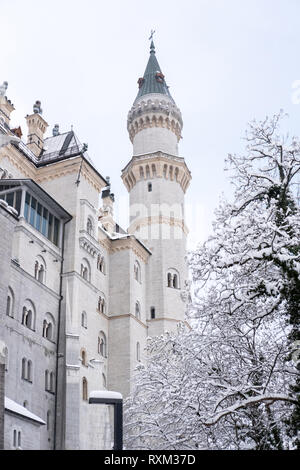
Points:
(158, 165)
(159, 219)
(86, 244)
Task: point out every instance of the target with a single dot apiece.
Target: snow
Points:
(14, 407)
(106, 394)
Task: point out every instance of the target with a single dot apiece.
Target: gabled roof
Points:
(13, 407)
(151, 83)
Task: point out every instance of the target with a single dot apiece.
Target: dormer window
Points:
(140, 81)
(159, 77)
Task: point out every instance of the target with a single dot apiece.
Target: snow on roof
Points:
(104, 394)
(14, 407)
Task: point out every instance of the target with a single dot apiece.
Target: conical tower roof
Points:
(153, 80)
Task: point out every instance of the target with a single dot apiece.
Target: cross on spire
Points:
(151, 35)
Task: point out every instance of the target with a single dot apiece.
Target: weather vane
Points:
(151, 35)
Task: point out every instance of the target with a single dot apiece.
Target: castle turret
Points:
(36, 129)
(157, 179)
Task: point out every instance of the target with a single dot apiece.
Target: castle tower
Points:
(37, 127)
(156, 179)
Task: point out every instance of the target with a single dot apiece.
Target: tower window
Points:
(152, 313)
(149, 187)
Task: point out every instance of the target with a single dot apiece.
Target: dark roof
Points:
(56, 148)
(151, 83)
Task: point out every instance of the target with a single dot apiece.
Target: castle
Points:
(79, 295)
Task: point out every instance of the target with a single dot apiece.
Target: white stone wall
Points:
(155, 139)
(30, 432)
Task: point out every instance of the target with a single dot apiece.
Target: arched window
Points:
(48, 420)
(173, 279)
(102, 345)
(104, 380)
(141, 172)
(147, 171)
(28, 315)
(85, 270)
(40, 269)
(138, 351)
(137, 310)
(84, 320)
(137, 271)
(153, 170)
(10, 303)
(51, 385)
(29, 371)
(101, 304)
(24, 368)
(149, 187)
(47, 380)
(83, 357)
(48, 327)
(152, 313)
(25, 404)
(41, 274)
(101, 264)
(89, 226)
(84, 389)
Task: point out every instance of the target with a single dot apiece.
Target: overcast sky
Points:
(226, 62)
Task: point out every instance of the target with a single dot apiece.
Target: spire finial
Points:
(152, 47)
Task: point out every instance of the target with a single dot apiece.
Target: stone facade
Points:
(80, 295)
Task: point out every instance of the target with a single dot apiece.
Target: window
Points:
(101, 264)
(137, 310)
(101, 304)
(138, 351)
(173, 279)
(49, 381)
(16, 441)
(149, 187)
(10, 303)
(48, 327)
(152, 313)
(85, 270)
(26, 370)
(12, 197)
(104, 380)
(102, 344)
(84, 389)
(48, 420)
(89, 226)
(83, 357)
(137, 271)
(28, 315)
(84, 320)
(41, 219)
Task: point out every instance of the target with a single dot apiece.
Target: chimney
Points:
(107, 210)
(6, 107)
(36, 129)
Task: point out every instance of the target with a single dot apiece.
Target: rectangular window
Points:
(32, 211)
(18, 201)
(27, 205)
(45, 222)
(38, 219)
(56, 231)
(50, 227)
(10, 199)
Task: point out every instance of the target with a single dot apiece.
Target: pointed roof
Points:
(151, 82)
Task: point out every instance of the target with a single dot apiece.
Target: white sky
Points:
(226, 62)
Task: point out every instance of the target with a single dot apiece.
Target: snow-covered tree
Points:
(231, 382)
